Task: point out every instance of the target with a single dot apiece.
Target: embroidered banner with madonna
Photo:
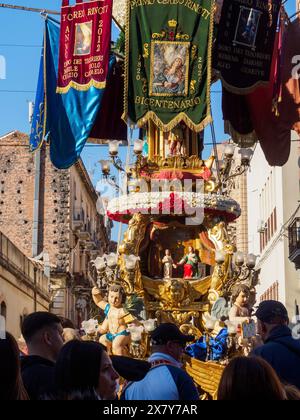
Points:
(168, 68)
(84, 45)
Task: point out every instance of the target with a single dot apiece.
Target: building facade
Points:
(237, 190)
(51, 215)
(273, 203)
(24, 288)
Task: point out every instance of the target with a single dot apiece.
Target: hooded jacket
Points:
(38, 377)
(282, 352)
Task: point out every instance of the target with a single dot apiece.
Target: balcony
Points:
(78, 219)
(294, 242)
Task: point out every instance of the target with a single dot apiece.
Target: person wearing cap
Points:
(166, 380)
(280, 349)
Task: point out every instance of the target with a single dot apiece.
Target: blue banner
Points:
(37, 126)
(69, 118)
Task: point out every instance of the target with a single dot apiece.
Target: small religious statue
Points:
(176, 142)
(190, 264)
(115, 336)
(239, 312)
(168, 265)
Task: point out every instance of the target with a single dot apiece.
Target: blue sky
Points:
(21, 36)
(20, 39)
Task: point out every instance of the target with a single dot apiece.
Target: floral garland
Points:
(175, 203)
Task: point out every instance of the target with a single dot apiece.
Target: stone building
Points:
(238, 230)
(273, 208)
(24, 288)
(51, 215)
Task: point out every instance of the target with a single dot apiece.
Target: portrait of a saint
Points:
(170, 61)
(83, 39)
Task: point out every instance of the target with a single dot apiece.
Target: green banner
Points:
(168, 63)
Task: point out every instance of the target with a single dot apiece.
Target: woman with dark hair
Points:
(11, 384)
(250, 379)
(84, 367)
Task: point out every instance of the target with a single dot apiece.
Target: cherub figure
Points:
(239, 312)
(115, 336)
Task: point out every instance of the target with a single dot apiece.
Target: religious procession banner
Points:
(84, 45)
(64, 121)
(245, 43)
(168, 63)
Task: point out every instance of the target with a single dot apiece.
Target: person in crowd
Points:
(43, 334)
(11, 384)
(250, 379)
(280, 349)
(292, 393)
(84, 368)
(70, 334)
(166, 380)
(130, 369)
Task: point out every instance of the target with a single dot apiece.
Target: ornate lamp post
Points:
(227, 175)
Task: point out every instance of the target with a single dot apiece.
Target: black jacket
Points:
(282, 351)
(38, 376)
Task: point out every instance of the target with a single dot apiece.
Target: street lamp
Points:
(138, 147)
(246, 155)
(114, 148)
(229, 151)
(105, 167)
(239, 259)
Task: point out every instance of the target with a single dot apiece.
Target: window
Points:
(3, 310)
(272, 293)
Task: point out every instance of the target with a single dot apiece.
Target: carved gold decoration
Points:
(206, 374)
(130, 246)
(176, 162)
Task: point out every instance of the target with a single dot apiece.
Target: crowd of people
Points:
(58, 365)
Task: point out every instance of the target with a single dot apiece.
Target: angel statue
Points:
(240, 312)
(190, 264)
(115, 335)
(168, 265)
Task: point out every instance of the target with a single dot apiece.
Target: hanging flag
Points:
(109, 123)
(274, 128)
(245, 43)
(168, 63)
(68, 119)
(237, 119)
(85, 37)
(37, 133)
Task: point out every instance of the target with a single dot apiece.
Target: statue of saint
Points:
(115, 336)
(190, 264)
(168, 265)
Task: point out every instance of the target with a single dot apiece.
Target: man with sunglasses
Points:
(166, 380)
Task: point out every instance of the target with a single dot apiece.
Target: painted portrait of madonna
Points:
(169, 68)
